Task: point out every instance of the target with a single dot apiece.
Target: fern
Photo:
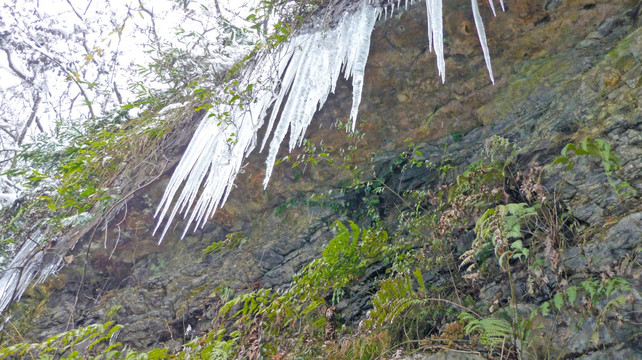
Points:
(394, 297)
(491, 331)
(499, 225)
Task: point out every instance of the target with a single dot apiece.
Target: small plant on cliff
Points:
(73, 344)
(302, 313)
(600, 149)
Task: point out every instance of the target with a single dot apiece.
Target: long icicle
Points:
(479, 24)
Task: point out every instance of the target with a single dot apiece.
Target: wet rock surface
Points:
(585, 81)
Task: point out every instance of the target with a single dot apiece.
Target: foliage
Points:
(500, 225)
(600, 149)
(69, 345)
(506, 215)
(265, 316)
(232, 240)
(65, 180)
(99, 342)
(394, 297)
(491, 331)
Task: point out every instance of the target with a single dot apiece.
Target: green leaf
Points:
(572, 294)
(545, 308)
(560, 160)
(558, 301)
(420, 280)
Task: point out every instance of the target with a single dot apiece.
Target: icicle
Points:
(215, 154)
(492, 7)
(501, 3)
(482, 37)
(26, 265)
(361, 51)
(307, 69)
(436, 34)
(295, 82)
(429, 25)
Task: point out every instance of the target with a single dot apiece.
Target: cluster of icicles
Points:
(296, 80)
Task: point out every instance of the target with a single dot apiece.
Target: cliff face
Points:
(565, 71)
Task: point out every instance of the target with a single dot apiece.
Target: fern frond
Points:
(393, 298)
(491, 331)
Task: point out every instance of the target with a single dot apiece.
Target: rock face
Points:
(565, 70)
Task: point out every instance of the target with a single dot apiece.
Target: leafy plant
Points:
(70, 344)
(500, 225)
(600, 149)
(491, 331)
(232, 240)
(265, 315)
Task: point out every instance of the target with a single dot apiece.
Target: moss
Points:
(623, 48)
(527, 78)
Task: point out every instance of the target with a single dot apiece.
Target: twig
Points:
(74, 10)
(454, 304)
(7, 130)
(15, 70)
(82, 279)
(91, 239)
(20, 336)
(118, 238)
(34, 110)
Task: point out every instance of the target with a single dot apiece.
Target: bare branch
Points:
(34, 109)
(75, 12)
(14, 69)
(87, 8)
(42, 130)
(151, 15)
(118, 96)
(8, 131)
(69, 73)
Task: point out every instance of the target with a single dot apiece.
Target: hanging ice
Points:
(436, 34)
(30, 262)
(492, 7)
(482, 37)
(296, 80)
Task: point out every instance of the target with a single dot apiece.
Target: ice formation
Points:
(295, 82)
(26, 265)
(481, 32)
(436, 34)
(295, 79)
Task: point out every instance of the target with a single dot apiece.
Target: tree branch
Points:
(14, 69)
(75, 12)
(42, 130)
(151, 15)
(34, 109)
(8, 132)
